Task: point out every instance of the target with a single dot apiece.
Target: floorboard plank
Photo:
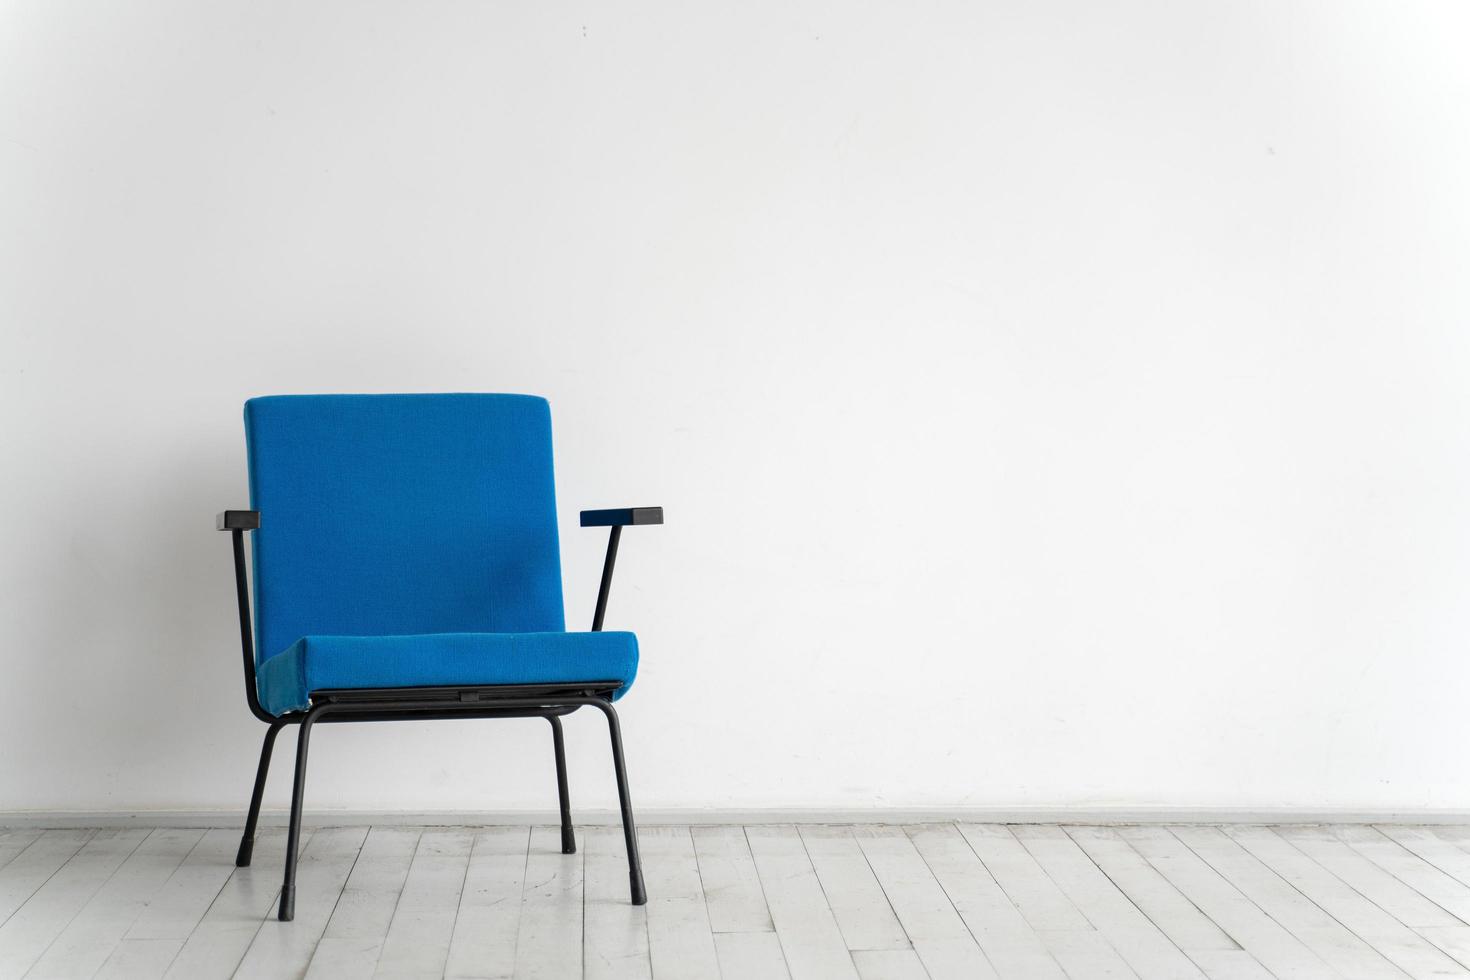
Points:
(940, 937)
(1065, 931)
(1230, 964)
(282, 950)
(176, 908)
(1456, 834)
(140, 959)
(25, 935)
(1440, 888)
(1370, 880)
(1157, 899)
(1281, 953)
(751, 956)
(811, 941)
(1018, 874)
(417, 944)
(15, 841)
(352, 941)
(34, 866)
(857, 900)
(89, 939)
(732, 888)
(1434, 904)
(889, 964)
(1009, 943)
(235, 915)
(1141, 944)
(483, 946)
(1454, 940)
(1333, 943)
(549, 941)
(1432, 848)
(1410, 952)
(680, 941)
(1086, 955)
(616, 930)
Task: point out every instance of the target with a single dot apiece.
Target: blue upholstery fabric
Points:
(323, 663)
(400, 516)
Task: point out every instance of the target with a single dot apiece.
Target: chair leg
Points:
(630, 833)
(568, 838)
(293, 833)
(247, 840)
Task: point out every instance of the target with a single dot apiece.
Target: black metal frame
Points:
(549, 701)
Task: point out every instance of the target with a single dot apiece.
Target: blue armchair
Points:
(406, 566)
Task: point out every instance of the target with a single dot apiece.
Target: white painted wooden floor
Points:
(806, 903)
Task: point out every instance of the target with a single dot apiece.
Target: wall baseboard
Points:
(771, 815)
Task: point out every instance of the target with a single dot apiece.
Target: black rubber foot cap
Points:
(568, 841)
(635, 879)
(242, 858)
(288, 904)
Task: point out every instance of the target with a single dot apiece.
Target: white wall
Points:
(1053, 403)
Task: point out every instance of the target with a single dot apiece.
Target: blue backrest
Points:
(399, 514)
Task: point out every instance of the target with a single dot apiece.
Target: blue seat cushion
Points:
(322, 663)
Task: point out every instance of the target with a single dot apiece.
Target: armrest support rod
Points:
(237, 522)
(613, 537)
(615, 520)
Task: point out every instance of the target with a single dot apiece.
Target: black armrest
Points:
(622, 516)
(237, 520)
